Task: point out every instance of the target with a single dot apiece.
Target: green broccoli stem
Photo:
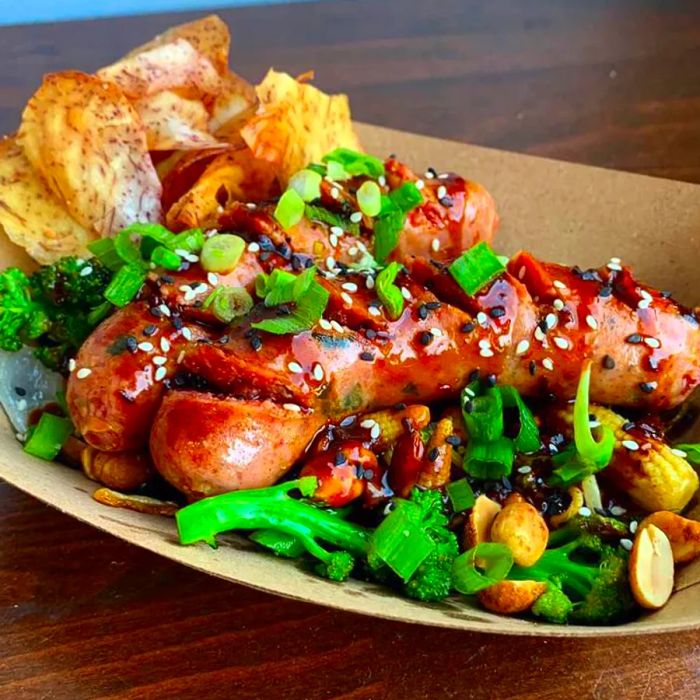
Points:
(272, 508)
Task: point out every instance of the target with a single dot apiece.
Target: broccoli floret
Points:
(604, 527)
(72, 283)
(553, 605)
(337, 567)
(22, 318)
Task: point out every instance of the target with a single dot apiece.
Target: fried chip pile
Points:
(168, 133)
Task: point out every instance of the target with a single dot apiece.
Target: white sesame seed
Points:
(435, 245)
(318, 372)
(251, 205)
(441, 191)
(539, 334)
(428, 174)
(468, 391)
(22, 405)
(486, 352)
(190, 294)
(644, 304)
(626, 543)
(83, 372)
(420, 184)
(652, 342)
(484, 343)
(521, 272)
(160, 374)
(375, 432)
(337, 230)
(356, 217)
(253, 247)
(443, 176)
(368, 423)
(558, 284)
(522, 347)
(615, 261)
(618, 510)
(212, 278)
(631, 445)
(181, 252)
(164, 344)
(295, 367)
(185, 288)
(330, 262)
(159, 360)
(164, 310)
(585, 511)
(87, 270)
(381, 180)
(525, 469)
(333, 240)
(292, 407)
(406, 294)
(592, 323)
(335, 192)
(201, 288)
(482, 319)
(548, 364)
(558, 304)
(369, 282)
(374, 311)
(325, 324)
(678, 452)
(652, 385)
(551, 320)
(633, 526)
(71, 365)
(352, 250)
(347, 299)
(337, 327)
(191, 257)
(594, 424)
(180, 357)
(645, 295)
(186, 333)
(349, 287)
(436, 332)
(614, 266)
(560, 342)
(503, 340)
(145, 346)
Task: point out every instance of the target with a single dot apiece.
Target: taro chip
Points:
(86, 140)
(31, 215)
(297, 124)
(232, 107)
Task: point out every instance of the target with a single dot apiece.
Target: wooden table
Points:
(615, 84)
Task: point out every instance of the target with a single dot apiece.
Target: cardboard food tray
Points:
(569, 213)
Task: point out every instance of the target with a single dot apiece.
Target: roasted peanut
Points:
(118, 470)
(511, 597)
(651, 568)
(523, 530)
(683, 534)
(478, 525)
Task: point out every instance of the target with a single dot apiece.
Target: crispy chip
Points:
(174, 122)
(231, 176)
(232, 107)
(31, 215)
(297, 124)
(82, 135)
(209, 35)
(175, 65)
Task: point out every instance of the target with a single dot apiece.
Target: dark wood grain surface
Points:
(612, 83)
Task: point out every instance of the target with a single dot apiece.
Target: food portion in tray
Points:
(264, 329)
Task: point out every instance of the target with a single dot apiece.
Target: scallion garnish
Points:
(307, 184)
(482, 409)
(489, 460)
(460, 494)
(229, 303)
(47, 437)
(336, 172)
(392, 216)
(325, 216)
(290, 209)
(125, 284)
(166, 258)
(369, 198)
(355, 163)
(528, 437)
(476, 267)
(481, 567)
(406, 197)
(222, 252)
(389, 294)
(103, 249)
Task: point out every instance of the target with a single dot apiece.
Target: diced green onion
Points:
(369, 198)
(166, 258)
(308, 311)
(481, 567)
(482, 409)
(125, 284)
(599, 452)
(222, 252)
(356, 163)
(691, 449)
(125, 247)
(476, 267)
(229, 303)
(290, 209)
(47, 437)
(317, 168)
(191, 241)
(489, 460)
(336, 172)
(325, 216)
(461, 495)
(282, 287)
(103, 249)
(389, 294)
(528, 437)
(387, 229)
(406, 197)
(281, 543)
(307, 184)
(400, 542)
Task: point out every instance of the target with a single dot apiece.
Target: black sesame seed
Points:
(256, 343)
(542, 325)
(224, 339)
(20, 391)
(497, 312)
(532, 367)
(265, 243)
(628, 426)
(368, 474)
(647, 387)
(366, 356)
(400, 406)
(433, 454)
(131, 343)
(467, 328)
(297, 263)
(425, 338)
(653, 363)
(432, 305)
(447, 201)
(691, 318)
(177, 323)
(422, 312)
(608, 362)
(491, 380)
(167, 279)
(453, 440)
(370, 334)
(473, 375)
(283, 310)
(198, 304)
(590, 276)
(149, 330)
(633, 339)
(155, 311)
(339, 459)
(605, 291)
(284, 250)
(469, 406)
(666, 294)
(265, 255)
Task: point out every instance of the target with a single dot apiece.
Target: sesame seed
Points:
(190, 294)
(295, 367)
(352, 250)
(486, 352)
(368, 423)
(374, 311)
(484, 343)
(159, 360)
(186, 333)
(503, 340)
(559, 285)
(435, 245)
(381, 180)
(521, 272)
(482, 319)
(71, 365)
(292, 407)
(608, 362)
(325, 324)
(615, 267)
(212, 278)
(145, 346)
(467, 328)
(560, 342)
(644, 304)
(425, 338)
(406, 294)
(585, 511)
(330, 262)
(251, 205)
(366, 356)
(436, 332)
(539, 334)
(181, 252)
(652, 342)
(191, 257)
(525, 469)
(87, 270)
(318, 372)
(591, 322)
(548, 364)
(337, 327)
(631, 445)
(350, 287)
(420, 184)
(22, 405)
(164, 344)
(335, 192)
(616, 261)
(356, 217)
(678, 452)
(558, 304)
(337, 230)
(443, 176)
(160, 374)
(522, 347)
(253, 247)
(333, 239)
(648, 387)
(633, 526)
(369, 282)
(551, 320)
(618, 510)
(347, 299)
(626, 543)
(634, 339)
(375, 432)
(164, 310)
(83, 372)
(441, 191)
